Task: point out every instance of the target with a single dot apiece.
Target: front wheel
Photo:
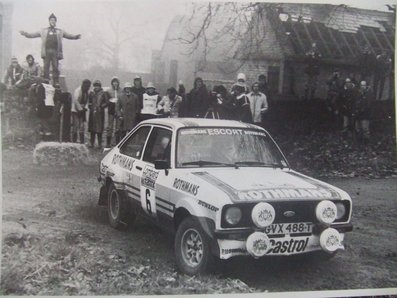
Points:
(192, 249)
(118, 209)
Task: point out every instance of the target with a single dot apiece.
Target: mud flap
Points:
(103, 196)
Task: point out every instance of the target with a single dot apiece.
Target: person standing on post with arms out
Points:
(51, 46)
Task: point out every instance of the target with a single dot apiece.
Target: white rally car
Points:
(224, 188)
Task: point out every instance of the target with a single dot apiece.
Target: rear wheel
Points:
(118, 209)
(192, 249)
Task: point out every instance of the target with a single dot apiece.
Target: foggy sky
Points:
(146, 20)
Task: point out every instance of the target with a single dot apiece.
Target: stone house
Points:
(286, 33)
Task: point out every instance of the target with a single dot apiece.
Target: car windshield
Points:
(226, 147)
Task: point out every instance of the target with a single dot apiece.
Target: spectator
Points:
(181, 90)
(348, 97)
(139, 90)
(243, 110)
(263, 87)
(362, 111)
(258, 104)
(79, 109)
(197, 100)
(51, 46)
(170, 104)
(13, 73)
(150, 100)
(312, 70)
(241, 80)
(334, 87)
(113, 95)
(227, 104)
(96, 104)
(128, 109)
(31, 73)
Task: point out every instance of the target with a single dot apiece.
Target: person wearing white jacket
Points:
(258, 104)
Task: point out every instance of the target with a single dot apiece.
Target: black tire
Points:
(195, 257)
(120, 217)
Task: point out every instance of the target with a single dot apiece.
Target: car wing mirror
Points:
(161, 164)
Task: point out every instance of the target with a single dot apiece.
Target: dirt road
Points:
(56, 240)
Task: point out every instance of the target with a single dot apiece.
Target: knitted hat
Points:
(52, 16)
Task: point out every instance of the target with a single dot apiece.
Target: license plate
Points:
(289, 228)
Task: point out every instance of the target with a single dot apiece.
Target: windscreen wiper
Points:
(259, 163)
(202, 163)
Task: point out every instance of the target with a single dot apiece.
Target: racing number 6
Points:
(148, 206)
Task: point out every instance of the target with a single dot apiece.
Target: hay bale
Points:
(55, 153)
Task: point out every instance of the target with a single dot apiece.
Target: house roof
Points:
(340, 32)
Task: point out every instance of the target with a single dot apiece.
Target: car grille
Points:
(304, 211)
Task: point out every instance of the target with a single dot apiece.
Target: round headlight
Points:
(340, 210)
(326, 212)
(263, 214)
(330, 240)
(258, 244)
(233, 215)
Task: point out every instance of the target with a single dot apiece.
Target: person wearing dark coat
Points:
(113, 94)
(197, 100)
(361, 111)
(227, 104)
(96, 105)
(349, 95)
(139, 90)
(128, 109)
(243, 109)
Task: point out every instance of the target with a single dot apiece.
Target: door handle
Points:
(138, 168)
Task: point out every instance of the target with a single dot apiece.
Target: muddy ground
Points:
(56, 240)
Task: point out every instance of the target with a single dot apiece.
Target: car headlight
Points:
(263, 215)
(340, 210)
(326, 212)
(233, 215)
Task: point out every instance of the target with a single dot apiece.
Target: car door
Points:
(153, 193)
(129, 159)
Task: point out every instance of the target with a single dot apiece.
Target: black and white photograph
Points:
(192, 147)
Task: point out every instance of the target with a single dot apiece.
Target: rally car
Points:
(224, 189)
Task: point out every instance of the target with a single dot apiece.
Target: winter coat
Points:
(43, 34)
(170, 108)
(347, 100)
(139, 91)
(197, 102)
(258, 105)
(128, 109)
(361, 106)
(243, 109)
(96, 105)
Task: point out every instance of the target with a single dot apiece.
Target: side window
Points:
(159, 145)
(133, 147)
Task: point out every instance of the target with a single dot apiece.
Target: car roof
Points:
(176, 123)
